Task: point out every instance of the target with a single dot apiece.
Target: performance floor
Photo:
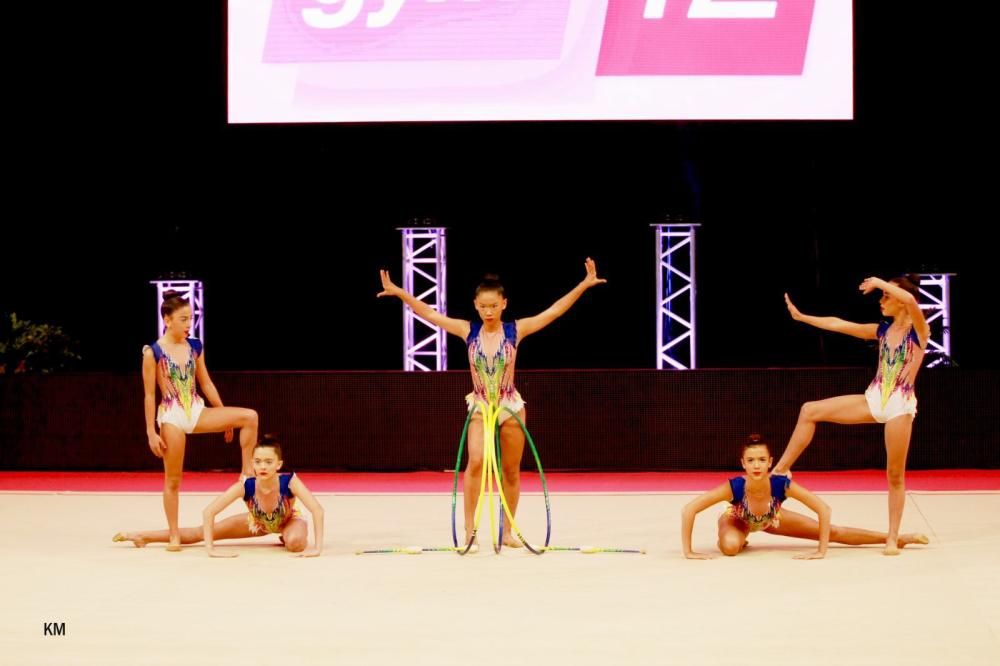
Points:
(934, 604)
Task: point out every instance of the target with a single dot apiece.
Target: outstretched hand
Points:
(792, 310)
(869, 285)
(592, 278)
(389, 288)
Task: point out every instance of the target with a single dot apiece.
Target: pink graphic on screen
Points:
(705, 37)
(440, 60)
(414, 30)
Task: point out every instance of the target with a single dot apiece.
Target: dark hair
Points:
(909, 282)
(272, 442)
(754, 440)
(490, 282)
(172, 301)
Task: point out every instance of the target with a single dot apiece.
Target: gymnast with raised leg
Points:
(890, 398)
(176, 363)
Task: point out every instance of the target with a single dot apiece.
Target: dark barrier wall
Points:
(580, 419)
